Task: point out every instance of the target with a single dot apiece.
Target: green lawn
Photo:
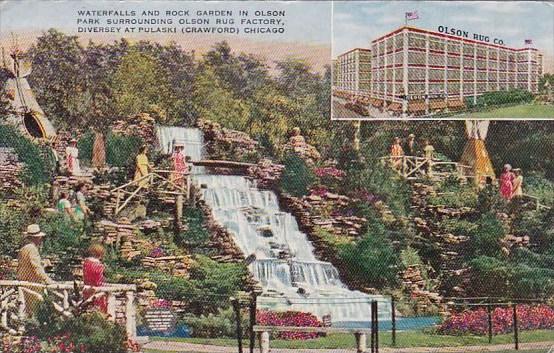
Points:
(403, 339)
(525, 111)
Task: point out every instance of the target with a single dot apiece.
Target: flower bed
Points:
(290, 318)
(530, 317)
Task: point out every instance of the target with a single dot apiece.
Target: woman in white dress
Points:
(72, 158)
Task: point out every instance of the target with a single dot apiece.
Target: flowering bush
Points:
(290, 318)
(65, 344)
(320, 191)
(476, 321)
(330, 172)
(161, 303)
(157, 252)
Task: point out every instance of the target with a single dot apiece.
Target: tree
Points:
(297, 178)
(141, 86)
(244, 74)
(57, 77)
(214, 102)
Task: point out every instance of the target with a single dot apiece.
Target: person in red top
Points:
(180, 167)
(506, 182)
(93, 275)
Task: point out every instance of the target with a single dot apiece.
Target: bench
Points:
(264, 331)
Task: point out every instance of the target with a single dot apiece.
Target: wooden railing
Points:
(536, 201)
(413, 167)
(159, 181)
(15, 297)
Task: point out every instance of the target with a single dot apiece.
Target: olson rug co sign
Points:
(466, 34)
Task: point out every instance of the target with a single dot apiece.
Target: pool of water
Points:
(402, 323)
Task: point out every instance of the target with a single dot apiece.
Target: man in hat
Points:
(410, 148)
(72, 158)
(29, 265)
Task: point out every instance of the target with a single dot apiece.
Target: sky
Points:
(356, 24)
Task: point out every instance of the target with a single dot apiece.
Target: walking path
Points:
(183, 347)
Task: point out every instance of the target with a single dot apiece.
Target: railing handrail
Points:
(108, 287)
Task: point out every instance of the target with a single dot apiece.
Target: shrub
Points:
(221, 324)
(489, 276)
(89, 332)
(485, 238)
(120, 150)
(372, 260)
(504, 97)
(25, 208)
(38, 160)
(196, 234)
(475, 322)
(290, 318)
(459, 227)
(297, 176)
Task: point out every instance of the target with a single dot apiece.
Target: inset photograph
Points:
(442, 60)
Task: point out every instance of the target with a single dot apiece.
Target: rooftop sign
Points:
(465, 34)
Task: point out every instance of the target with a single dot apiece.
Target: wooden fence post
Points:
(393, 319)
(489, 315)
(253, 300)
(236, 307)
(516, 331)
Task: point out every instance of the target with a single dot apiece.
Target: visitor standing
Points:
(30, 268)
(429, 152)
(517, 187)
(507, 182)
(180, 167)
(142, 167)
(410, 148)
(81, 208)
(72, 158)
(396, 153)
(93, 275)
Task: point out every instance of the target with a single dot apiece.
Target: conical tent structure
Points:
(475, 152)
(29, 116)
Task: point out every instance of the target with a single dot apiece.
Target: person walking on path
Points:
(142, 167)
(507, 182)
(30, 268)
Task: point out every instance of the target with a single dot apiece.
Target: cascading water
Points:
(291, 277)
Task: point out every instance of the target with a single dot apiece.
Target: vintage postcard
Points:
(276, 176)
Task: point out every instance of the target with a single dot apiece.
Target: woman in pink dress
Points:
(507, 182)
(93, 275)
(180, 167)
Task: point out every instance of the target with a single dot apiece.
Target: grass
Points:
(403, 340)
(523, 111)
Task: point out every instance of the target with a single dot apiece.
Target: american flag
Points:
(528, 41)
(411, 15)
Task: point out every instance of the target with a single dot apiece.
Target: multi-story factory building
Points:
(414, 71)
(352, 71)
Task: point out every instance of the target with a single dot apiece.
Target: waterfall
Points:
(286, 267)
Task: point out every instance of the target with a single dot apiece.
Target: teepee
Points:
(28, 115)
(475, 153)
